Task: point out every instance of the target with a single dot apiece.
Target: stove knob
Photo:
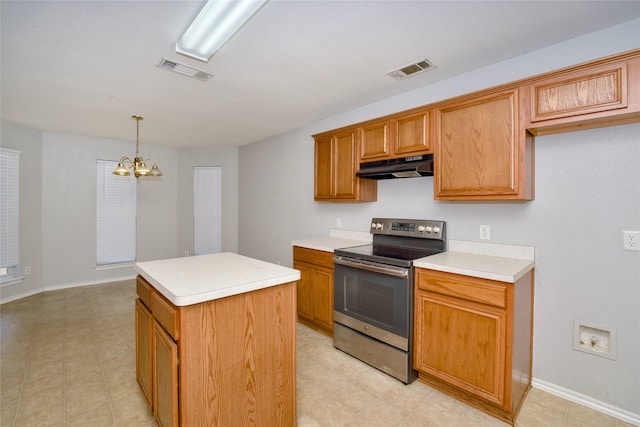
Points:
(436, 229)
(378, 226)
(428, 228)
(373, 225)
(421, 228)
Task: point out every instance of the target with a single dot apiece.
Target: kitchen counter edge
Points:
(196, 279)
(337, 239)
(503, 263)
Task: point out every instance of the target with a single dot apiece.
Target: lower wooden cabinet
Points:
(165, 377)
(229, 361)
(157, 355)
(315, 287)
(144, 363)
(473, 339)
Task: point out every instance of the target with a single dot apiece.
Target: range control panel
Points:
(420, 228)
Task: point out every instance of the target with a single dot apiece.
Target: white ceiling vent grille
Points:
(411, 69)
(167, 64)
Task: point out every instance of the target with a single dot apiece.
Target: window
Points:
(116, 216)
(9, 214)
(207, 210)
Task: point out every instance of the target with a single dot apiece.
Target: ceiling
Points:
(84, 67)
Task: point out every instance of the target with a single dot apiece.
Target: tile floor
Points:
(67, 359)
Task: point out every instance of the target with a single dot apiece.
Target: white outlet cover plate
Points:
(630, 240)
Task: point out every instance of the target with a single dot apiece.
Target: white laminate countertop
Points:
(504, 263)
(337, 239)
(196, 279)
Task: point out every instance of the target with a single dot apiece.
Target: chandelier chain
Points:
(137, 119)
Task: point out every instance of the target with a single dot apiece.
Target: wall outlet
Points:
(338, 222)
(631, 240)
(27, 270)
(186, 253)
(485, 232)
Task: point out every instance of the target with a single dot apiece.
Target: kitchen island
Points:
(215, 340)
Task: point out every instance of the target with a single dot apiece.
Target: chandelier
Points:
(137, 165)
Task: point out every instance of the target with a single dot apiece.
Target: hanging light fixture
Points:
(137, 165)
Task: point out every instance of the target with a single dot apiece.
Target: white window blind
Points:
(116, 215)
(207, 210)
(9, 213)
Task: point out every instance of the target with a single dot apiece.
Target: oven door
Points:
(374, 299)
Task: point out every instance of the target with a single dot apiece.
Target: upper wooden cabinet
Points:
(336, 162)
(483, 142)
(397, 137)
(603, 94)
(481, 151)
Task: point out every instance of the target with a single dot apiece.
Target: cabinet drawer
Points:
(143, 288)
(463, 287)
(312, 256)
(165, 313)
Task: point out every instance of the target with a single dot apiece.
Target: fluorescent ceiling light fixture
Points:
(216, 23)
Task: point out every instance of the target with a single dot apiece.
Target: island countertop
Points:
(196, 279)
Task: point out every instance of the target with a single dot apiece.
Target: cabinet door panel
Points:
(165, 378)
(462, 344)
(323, 301)
(324, 168)
(345, 165)
(411, 134)
(144, 366)
(597, 89)
(477, 148)
(304, 288)
(374, 141)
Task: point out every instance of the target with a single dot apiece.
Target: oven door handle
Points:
(370, 266)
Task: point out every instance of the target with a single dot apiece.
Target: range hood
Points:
(406, 167)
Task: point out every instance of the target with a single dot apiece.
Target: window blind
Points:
(116, 215)
(207, 210)
(9, 213)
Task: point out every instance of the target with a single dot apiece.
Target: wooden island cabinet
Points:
(226, 360)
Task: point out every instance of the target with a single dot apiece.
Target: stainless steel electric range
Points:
(373, 293)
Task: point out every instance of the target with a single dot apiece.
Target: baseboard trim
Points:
(90, 283)
(59, 287)
(584, 400)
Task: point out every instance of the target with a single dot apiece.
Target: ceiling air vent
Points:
(176, 67)
(411, 69)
